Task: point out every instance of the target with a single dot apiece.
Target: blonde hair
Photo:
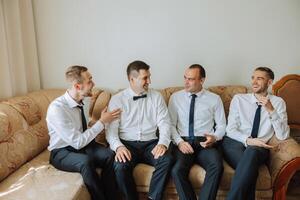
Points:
(73, 73)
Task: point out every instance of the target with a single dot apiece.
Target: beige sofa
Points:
(25, 172)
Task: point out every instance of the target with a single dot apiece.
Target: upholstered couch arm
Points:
(284, 162)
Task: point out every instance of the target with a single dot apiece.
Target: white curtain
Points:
(19, 69)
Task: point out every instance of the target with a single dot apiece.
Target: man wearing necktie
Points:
(134, 136)
(72, 144)
(253, 119)
(198, 123)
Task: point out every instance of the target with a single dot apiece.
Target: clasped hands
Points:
(186, 148)
(123, 154)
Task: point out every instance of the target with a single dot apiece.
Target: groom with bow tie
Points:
(133, 136)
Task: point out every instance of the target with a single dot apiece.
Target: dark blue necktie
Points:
(256, 122)
(83, 120)
(139, 97)
(191, 117)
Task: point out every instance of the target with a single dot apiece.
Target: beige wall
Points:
(229, 38)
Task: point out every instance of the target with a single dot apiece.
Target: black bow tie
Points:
(139, 97)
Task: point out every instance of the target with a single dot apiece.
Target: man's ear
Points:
(270, 82)
(77, 86)
(130, 78)
(202, 80)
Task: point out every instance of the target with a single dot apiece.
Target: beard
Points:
(260, 90)
(87, 93)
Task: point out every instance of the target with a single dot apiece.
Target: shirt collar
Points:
(200, 93)
(130, 93)
(254, 100)
(71, 102)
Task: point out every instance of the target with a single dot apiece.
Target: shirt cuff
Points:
(116, 145)
(218, 136)
(273, 115)
(164, 142)
(244, 140)
(178, 140)
(97, 127)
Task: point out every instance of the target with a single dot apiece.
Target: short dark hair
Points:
(269, 72)
(73, 73)
(202, 73)
(137, 66)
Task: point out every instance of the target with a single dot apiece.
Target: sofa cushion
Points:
(226, 93)
(24, 118)
(52, 94)
(26, 107)
(142, 175)
(167, 92)
(38, 179)
(41, 101)
(12, 141)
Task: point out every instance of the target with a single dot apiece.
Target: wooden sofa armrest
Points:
(284, 162)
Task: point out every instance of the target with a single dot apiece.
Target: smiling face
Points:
(260, 82)
(140, 80)
(193, 81)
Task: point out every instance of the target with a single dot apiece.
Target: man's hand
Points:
(265, 101)
(185, 147)
(159, 150)
(107, 117)
(210, 140)
(122, 154)
(258, 142)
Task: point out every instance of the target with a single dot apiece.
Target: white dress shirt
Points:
(139, 119)
(65, 125)
(241, 117)
(208, 110)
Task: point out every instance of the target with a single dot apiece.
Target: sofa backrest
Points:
(225, 92)
(288, 88)
(23, 129)
(101, 98)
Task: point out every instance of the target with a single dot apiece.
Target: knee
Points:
(219, 168)
(120, 167)
(176, 169)
(86, 163)
(252, 153)
(167, 159)
(216, 168)
(110, 156)
(179, 169)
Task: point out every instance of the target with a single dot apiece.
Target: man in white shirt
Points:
(72, 144)
(198, 120)
(133, 137)
(253, 119)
